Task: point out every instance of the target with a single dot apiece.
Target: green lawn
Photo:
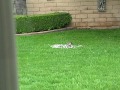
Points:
(95, 66)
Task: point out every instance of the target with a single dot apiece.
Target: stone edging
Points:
(63, 29)
(42, 32)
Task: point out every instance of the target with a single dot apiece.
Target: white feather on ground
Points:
(65, 46)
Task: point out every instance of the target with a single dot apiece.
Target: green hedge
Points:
(36, 23)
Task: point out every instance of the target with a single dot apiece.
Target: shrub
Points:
(35, 23)
(23, 24)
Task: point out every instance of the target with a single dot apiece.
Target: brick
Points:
(103, 24)
(87, 11)
(81, 16)
(64, 1)
(96, 12)
(113, 2)
(87, 3)
(30, 13)
(114, 11)
(30, 5)
(54, 9)
(41, 1)
(73, 24)
(32, 1)
(76, 20)
(69, 8)
(50, 4)
(109, 6)
(45, 9)
(81, 8)
(74, 4)
(88, 20)
(39, 12)
(116, 15)
(111, 19)
(93, 15)
(94, 24)
(105, 15)
(116, 7)
(49, 12)
(74, 12)
(100, 19)
(38, 5)
(92, 7)
(50, 1)
(82, 24)
(109, 24)
(33, 9)
(62, 4)
(60, 8)
(116, 23)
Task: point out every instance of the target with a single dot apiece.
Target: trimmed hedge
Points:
(36, 23)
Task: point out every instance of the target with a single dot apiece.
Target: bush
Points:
(36, 23)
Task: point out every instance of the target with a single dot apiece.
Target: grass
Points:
(95, 66)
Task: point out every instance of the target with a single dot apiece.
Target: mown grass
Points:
(95, 66)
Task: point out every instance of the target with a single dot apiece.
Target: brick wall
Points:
(84, 12)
